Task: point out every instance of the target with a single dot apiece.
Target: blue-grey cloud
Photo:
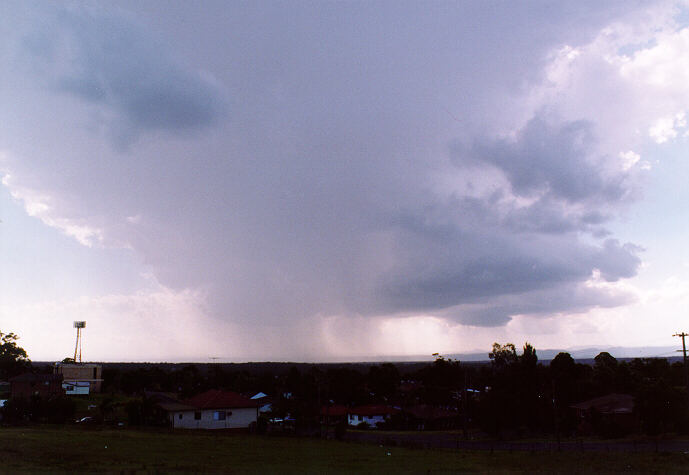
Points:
(547, 302)
(110, 61)
(553, 159)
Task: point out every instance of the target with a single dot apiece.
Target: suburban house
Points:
(371, 414)
(42, 385)
(264, 401)
(80, 378)
(610, 414)
(214, 409)
(426, 417)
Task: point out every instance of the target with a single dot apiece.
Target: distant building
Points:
(213, 409)
(42, 385)
(612, 414)
(80, 378)
(73, 388)
(264, 401)
(372, 414)
(426, 417)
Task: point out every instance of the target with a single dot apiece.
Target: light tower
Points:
(78, 325)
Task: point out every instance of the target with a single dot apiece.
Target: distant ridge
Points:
(578, 353)
(544, 355)
(586, 353)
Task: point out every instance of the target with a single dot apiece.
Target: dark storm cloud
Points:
(449, 266)
(567, 299)
(553, 159)
(115, 65)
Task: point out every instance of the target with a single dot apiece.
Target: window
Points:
(180, 416)
(197, 416)
(219, 416)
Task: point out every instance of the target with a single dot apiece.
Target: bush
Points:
(340, 430)
(262, 425)
(58, 410)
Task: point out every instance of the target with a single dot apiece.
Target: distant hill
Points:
(581, 354)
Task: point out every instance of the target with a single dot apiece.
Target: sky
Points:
(320, 181)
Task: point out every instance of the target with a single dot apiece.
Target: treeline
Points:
(526, 396)
(513, 396)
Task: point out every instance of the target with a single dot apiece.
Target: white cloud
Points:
(629, 159)
(42, 206)
(666, 128)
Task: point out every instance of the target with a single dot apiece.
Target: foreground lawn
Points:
(72, 449)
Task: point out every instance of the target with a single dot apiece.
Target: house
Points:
(164, 406)
(371, 414)
(42, 385)
(264, 401)
(76, 387)
(612, 414)
(214, 409)
(426, 417)
(80, 378)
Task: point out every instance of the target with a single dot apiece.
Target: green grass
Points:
(72, 449)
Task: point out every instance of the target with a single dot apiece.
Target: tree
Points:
(442, 380)
(563, 367)
(528, 358)
(503, 355)
(605, 373)
(13, 358)
(383, 380)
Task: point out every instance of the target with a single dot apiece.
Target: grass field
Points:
(72, 449)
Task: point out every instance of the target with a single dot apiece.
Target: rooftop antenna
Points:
(78, 325)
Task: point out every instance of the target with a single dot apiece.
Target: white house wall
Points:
(355, 419)
(239, 418)
(75, 388)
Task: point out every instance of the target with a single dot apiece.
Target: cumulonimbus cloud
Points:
(317, 192)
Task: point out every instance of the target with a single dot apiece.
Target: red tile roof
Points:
(217, 399)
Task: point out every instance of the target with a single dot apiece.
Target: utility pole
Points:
(465, 405)
(684, 352)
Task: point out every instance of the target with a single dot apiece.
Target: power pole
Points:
(684, 352)
(465, 406)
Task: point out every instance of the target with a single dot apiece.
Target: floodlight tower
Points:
(78, 325)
